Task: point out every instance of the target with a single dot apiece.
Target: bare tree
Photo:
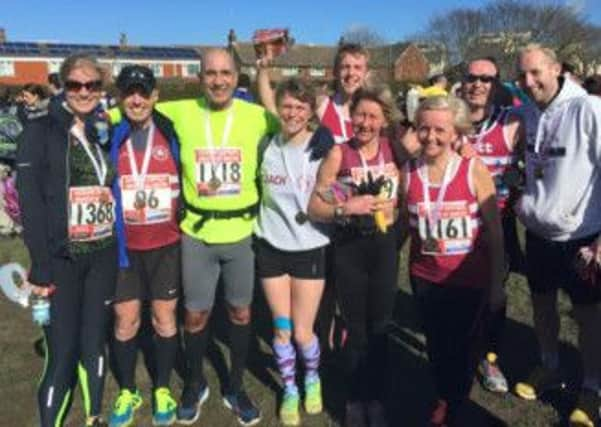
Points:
(362, 35)
(455, 29)
(508, 24)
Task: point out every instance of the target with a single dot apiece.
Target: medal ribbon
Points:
(297, 194)
(365, 166)
(434, 214)
(227, 128)
(484, 127)
(99, 164)
(140, 175)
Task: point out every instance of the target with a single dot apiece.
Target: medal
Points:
(300, 184)
(104, 198)
(214, 183)
(539, 172)
(140, 200)
(301, 218)
(430, 245)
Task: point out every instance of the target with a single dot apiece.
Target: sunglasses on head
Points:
(473, 78)
(91, 86)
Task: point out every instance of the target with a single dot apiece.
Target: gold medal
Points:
(430, 245)
(214, 183)
(301, 218)
(539, 172)
(104, 197)
(140, 200)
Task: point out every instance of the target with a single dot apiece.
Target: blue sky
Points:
(207, 22)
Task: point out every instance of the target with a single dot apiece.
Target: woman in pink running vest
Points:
(456, 252)
(357, 187)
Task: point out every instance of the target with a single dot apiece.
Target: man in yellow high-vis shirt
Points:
(219, 138)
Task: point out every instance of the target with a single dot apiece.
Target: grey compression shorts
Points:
(204, 264)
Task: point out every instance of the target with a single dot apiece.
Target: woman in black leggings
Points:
(357, 189)
(67, 205)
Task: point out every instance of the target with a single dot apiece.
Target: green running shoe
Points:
(124, 408)
(289, 413)
(313, 401)
(165, 407)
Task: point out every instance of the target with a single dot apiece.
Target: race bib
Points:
(148, 204)
(91, 213)
(391, 182)
(218, 171)
(452, 234)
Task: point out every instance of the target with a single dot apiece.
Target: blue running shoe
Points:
(246, 412)
(125, 408)
(192, 399)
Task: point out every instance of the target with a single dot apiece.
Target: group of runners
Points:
(299, 193)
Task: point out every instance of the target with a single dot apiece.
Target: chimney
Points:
(231, 38)
(2, 35)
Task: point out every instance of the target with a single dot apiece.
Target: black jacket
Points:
(42, 182)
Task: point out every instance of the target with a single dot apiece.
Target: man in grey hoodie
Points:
(561, 209)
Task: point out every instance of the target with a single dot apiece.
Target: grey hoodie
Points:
(564, 142)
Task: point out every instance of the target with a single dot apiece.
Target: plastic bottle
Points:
(40, 310)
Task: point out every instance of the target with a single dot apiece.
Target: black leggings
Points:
(515, 261)
(366, 276)
(75, 338)
(451, 318)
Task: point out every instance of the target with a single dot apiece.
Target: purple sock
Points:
(285, 357)
(311, 355)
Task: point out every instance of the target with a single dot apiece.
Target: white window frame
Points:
(54, 66)
(186, 71)
(7, 68)
(251, 71)
(317, 72)
(157, 69)
(116, 68)
(290, 71)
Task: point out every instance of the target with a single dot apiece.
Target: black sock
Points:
(165, 350)
(125, 353)
(196, 347)
(239, 340)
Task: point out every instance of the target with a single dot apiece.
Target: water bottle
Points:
(40, 310)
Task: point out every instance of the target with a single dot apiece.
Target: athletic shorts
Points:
(550, 266)
(203, 265)
(152, 274)
(273, 262)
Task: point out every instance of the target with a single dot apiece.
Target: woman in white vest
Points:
(290, 249)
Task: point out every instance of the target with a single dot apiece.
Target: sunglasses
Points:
(75, 86)
(473, 78)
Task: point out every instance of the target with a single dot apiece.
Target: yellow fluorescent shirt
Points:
(233, 166)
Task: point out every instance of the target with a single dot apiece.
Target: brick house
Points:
(28, 62)
(397, 61)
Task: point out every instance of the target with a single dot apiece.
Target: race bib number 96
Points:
(218, 171)
(148, 204)
(91, 213)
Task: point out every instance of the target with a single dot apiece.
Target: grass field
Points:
(411, 390)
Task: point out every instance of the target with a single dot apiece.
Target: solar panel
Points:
(66, 49)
